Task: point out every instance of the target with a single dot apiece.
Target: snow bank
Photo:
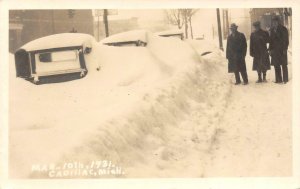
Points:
(58, 40)
(170, 32)
(202, 46)
(149, 110)
(134, 35)
(173, 54)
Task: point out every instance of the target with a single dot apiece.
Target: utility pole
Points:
(71, 14)
(227, 23)
(213, 31)
(223, 20)
(98, 13)
(219, 29)
(98, 27)
(105, 20)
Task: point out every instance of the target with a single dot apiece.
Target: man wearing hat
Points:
(235, 53)
(279, 42)
(258, 50)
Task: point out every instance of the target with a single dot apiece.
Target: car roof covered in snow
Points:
(134, 35)
(58, 41)
(170, 32)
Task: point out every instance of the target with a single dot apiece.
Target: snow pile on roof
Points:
(58, 40)
(141, 111)
(134, 35)
(170, 32)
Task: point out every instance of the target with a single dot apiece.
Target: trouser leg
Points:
(285, 73)
(244, 76)
(278, 76)
(237, 77)
(259, 73)
(264, 75)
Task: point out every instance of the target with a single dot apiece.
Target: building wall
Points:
(264, 15)
(40, 23)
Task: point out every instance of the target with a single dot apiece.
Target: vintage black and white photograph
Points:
(150, 93)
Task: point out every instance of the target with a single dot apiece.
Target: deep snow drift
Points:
(151, 110)
(133, 35)
(156, 111)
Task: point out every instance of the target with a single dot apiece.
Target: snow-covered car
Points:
(129, 38)
(53, 56)
(171, 33)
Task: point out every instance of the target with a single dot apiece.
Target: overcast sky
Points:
(148, 14)
(204, 21)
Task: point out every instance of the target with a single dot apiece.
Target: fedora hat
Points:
(233, 25)
(257, 23)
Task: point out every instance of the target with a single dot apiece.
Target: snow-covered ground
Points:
(256, 137)
(155, 111)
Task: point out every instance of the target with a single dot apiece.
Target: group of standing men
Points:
(278, 40)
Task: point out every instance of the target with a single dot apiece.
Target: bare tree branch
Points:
(181, 17)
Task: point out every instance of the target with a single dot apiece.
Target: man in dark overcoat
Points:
(235, 53)
(279, 42)
(258, 50)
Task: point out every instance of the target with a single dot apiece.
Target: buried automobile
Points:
(137, 38)
(171, 33)
(53, 58)
(130, 38)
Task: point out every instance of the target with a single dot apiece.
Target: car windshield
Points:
(60, 56)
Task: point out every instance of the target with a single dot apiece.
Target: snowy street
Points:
(154, 115)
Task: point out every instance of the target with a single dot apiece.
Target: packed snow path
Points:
(256, 137)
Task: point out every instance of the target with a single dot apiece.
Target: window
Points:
(59, 56)
(45, 57)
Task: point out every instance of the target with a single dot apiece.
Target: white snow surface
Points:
(156, 111)
(170, 32)
(58, 40)
(133, 35)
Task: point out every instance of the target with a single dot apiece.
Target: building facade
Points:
(264, 15)
(27, 25)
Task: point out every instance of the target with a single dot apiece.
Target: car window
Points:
(60, 56)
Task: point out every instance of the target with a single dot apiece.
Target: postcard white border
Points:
(213, 183)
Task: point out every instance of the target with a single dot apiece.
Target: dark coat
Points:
(279, 42)
(259, 51)
(236, 52)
